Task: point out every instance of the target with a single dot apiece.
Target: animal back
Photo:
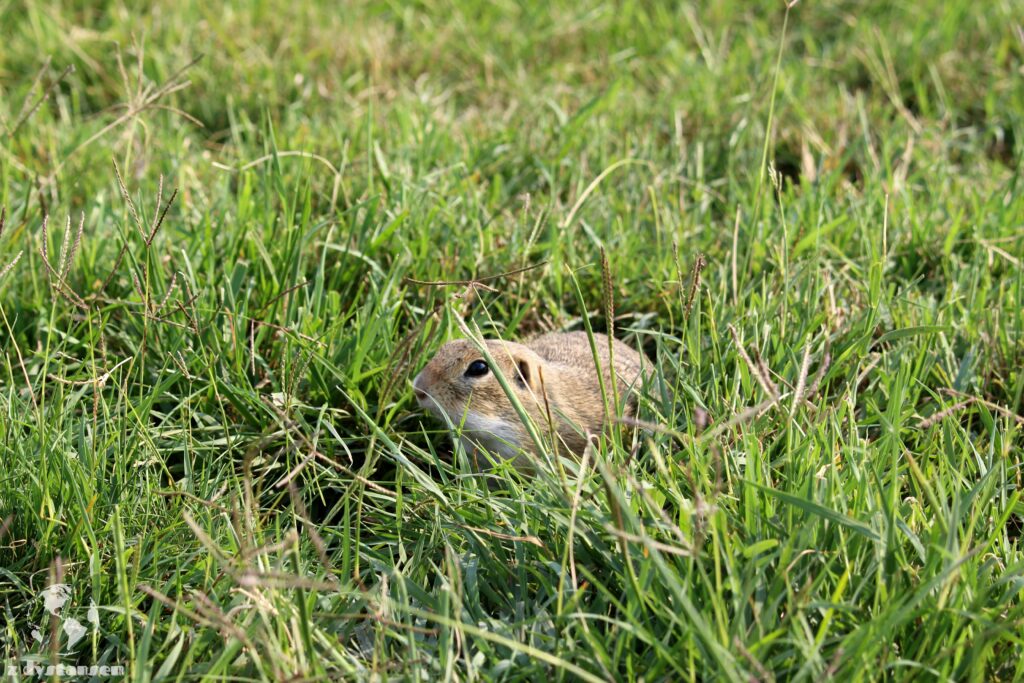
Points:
(572, 349)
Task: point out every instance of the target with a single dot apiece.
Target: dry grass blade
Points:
(764, 674)
(113, 271)
(574, 511)
(147, 233)
(76, 245)
(138, 289)
(609, 299)
(286, 292)
(801, 382)
(1005, 412)
(399, 359)
(23, 113)
(145, 100)
(170, 291)
(282, 580)
(698, 268)
(765, 373)
(204, 615)
(758, 370)
(128, 200)
(17, 257)
(159, 220)
(57, 276)
(826, 362)
(735, 250)
(147, 236)
(44, 248)
(938, 417)
(27, 110)
(194, 498)
(310, 528)
(609, 311)
(802, 394)
(204, 538)
(69, 247)
(10, 266)
(532, 540)
(646, 540)
(65, 246)
(478, 282)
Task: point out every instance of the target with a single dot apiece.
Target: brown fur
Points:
(553, 374)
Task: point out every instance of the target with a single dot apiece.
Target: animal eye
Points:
(477, 368)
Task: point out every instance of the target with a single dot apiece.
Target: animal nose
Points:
(421, 396)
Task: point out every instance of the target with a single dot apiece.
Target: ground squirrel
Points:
(553, 374)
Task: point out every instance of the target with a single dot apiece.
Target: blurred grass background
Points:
(206, 425)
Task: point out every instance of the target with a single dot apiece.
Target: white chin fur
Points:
(497, 436)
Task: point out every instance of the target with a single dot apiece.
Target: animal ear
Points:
(527, 374)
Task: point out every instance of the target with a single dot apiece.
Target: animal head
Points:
(460, 383)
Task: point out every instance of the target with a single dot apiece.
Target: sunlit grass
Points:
(206, 428)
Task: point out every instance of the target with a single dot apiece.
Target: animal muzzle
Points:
(422, 397)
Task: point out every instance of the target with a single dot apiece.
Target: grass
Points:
(813, 224)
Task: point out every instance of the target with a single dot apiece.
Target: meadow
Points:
(233, 233)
